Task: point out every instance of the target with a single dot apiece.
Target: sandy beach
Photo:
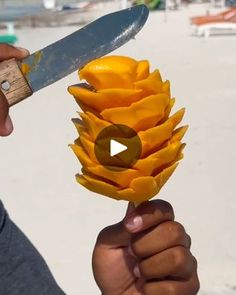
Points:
(63, 219)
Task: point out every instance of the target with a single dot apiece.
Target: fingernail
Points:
(137, 271)
(8, 124)
(134, 223)
(23, 50)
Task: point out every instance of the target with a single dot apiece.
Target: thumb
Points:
(116, 235)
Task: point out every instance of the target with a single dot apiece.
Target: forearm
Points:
(23, 271)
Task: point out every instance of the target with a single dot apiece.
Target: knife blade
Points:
(61, 58)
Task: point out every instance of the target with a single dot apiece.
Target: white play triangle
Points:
(116, 147)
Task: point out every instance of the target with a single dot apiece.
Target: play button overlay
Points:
(117, 147)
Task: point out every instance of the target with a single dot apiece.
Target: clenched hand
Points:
(146, 253)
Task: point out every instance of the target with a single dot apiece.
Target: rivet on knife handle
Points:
(13, 83)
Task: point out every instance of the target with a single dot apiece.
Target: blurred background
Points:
(193, 43)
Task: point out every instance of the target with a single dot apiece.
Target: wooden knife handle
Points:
(13, 83)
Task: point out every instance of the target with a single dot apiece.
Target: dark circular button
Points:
(117, 147)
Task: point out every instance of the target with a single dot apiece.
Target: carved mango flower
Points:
(123, 91)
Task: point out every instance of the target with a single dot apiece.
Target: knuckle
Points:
(150, 288)
(144, 269)
(189, 241)
(196, 286)
(166, 206)
(180, 258)
(195, 263)
(147, 289)
(177, 231)
(171, 289)
(137, 249)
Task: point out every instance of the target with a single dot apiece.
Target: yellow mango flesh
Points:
(124, 91)
(101, 75)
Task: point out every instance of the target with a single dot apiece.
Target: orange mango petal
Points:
(141, 189)
(168, 109)
(179, 133)
(142, 70)
(81, 155)
(140, 115)
(144, 185)
(105, 98)
(93, 124)
(151, 85)
(130, 194)
(166, 88)
(79, 125)
(121, 177)
(98, 186)
(89, 147)
(154, 137)
(109, 190)
(159, 159)
(164, 175)
(110, 72)
(177, 117)
(86, 108)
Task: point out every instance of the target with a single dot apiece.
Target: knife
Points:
(19, 80)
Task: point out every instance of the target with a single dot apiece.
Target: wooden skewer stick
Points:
(136, 204)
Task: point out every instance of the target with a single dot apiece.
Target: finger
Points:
(8, 51)
(149, 214)
(168, 234)
(175, 262)
(6, 126)
(116, 235)
(190, 287)
(113, 236)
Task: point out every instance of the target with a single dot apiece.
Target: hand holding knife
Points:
(61, 58)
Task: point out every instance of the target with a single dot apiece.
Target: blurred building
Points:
(33, 2)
